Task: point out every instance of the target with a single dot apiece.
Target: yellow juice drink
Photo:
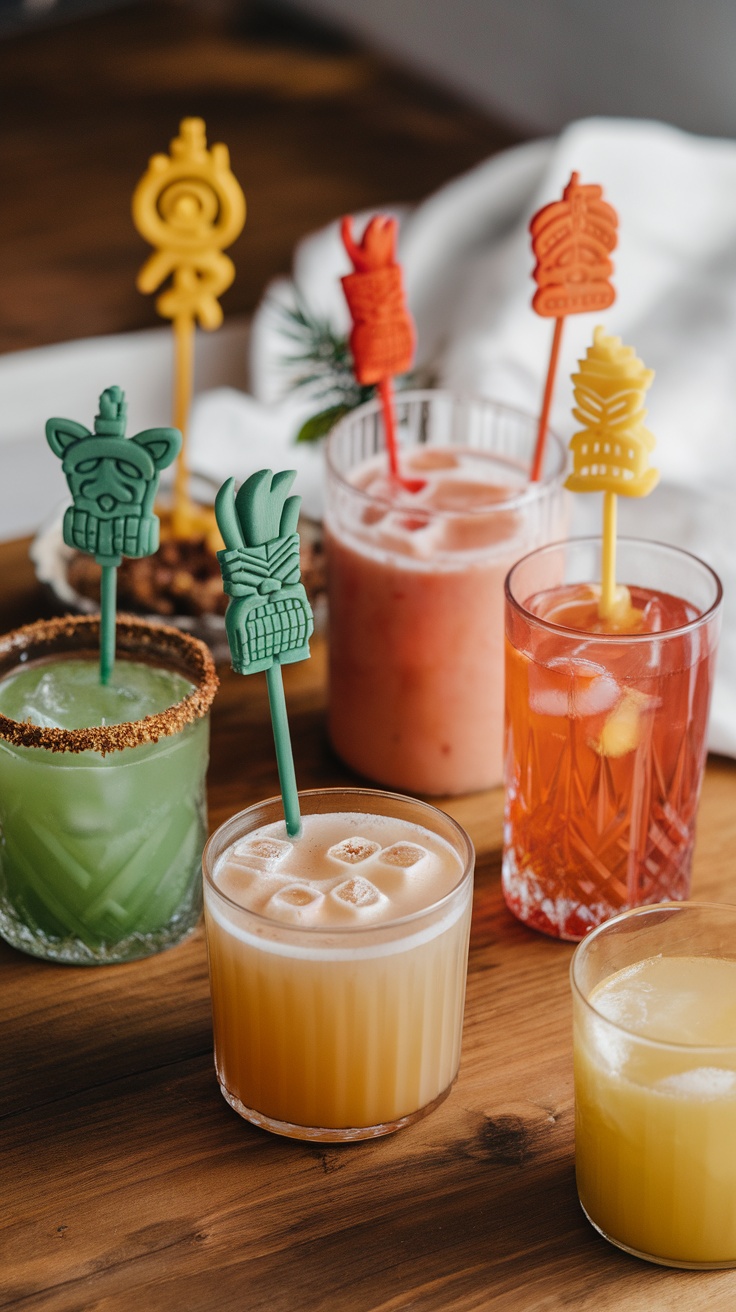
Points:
(338, 962)
(655, 1108)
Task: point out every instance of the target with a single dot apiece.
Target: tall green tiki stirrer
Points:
(113, 481)
(269, 620)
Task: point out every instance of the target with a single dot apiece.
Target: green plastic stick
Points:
(113, 481)
(284, 754)
(108, 596)
(269, 620)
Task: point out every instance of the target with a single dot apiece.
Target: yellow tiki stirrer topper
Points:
(611, 453)
(189, 206)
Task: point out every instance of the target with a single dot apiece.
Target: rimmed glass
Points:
(103, 827)
(655, 1082)
(340, 1033)
(415, 592)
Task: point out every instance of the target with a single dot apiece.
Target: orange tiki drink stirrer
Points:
(572, 239)
(189, 206)
(382, 339)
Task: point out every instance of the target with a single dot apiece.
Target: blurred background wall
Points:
(541, 63)
(535, 63)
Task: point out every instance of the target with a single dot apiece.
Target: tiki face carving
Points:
(113, 480)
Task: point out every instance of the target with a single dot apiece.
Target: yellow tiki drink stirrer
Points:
(611, 452)
(189, 206)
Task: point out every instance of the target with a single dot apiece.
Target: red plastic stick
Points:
(386, 393)
(382, 337)
(549, 387)
(571, 239)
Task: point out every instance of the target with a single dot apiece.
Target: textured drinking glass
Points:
(605, 734)
(654, 1005)
(103, 827)
(342, 1031)
(416, 584)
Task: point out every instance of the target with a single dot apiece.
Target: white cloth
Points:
(467, 260)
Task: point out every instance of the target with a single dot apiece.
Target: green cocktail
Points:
(102, 789)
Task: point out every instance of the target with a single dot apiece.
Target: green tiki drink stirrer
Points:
(269, 619)
(113, 481)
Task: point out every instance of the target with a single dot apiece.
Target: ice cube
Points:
(460, 494)
(263, 853)
(372, 515)
(297, 903)
(411, 534)
(432, 458)
(247, 886)
(571, 687)
(380, 486)
(405, 855)
(594, 696)
(704, 1082)
(358, 894)
(471, 532)
(352, 850)
(652, 616)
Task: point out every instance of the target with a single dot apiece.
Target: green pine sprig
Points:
(323, 362)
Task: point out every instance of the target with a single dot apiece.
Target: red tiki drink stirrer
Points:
(382, 339)
(572, 239)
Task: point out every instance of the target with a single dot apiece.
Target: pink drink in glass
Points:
(416, 586)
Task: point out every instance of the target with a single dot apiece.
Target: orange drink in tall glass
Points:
(606, 726)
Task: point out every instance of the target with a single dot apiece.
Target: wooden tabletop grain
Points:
(125, 1180)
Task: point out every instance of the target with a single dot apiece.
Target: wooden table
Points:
(126, 1181)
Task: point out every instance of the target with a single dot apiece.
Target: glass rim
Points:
(652, 908)
(589, 540)
(467, 857)
(59, 636)
(528, 492)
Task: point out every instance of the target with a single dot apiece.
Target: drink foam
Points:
(345, 868)
(466, 508)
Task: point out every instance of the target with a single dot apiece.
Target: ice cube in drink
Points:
(338, 1002)
(102, 809)
(655, 1108)
(606, 737)
(416, 588)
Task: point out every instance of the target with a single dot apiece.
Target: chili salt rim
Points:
(184, 653)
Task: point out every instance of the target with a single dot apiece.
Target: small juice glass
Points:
(654, 1005)
(605, 731)
(103, 825)
(415, 584)
(349, 1029)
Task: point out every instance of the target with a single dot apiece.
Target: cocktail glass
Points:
(103, 826)
(415, 583)
(605, 732)
(347, 1030)
(654, 1001)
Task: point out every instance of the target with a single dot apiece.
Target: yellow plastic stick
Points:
(611, 451)
(189, 206)
(183, 387)
(608, 561)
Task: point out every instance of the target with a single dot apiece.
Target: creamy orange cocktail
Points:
(416, 585)
(338, 962)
